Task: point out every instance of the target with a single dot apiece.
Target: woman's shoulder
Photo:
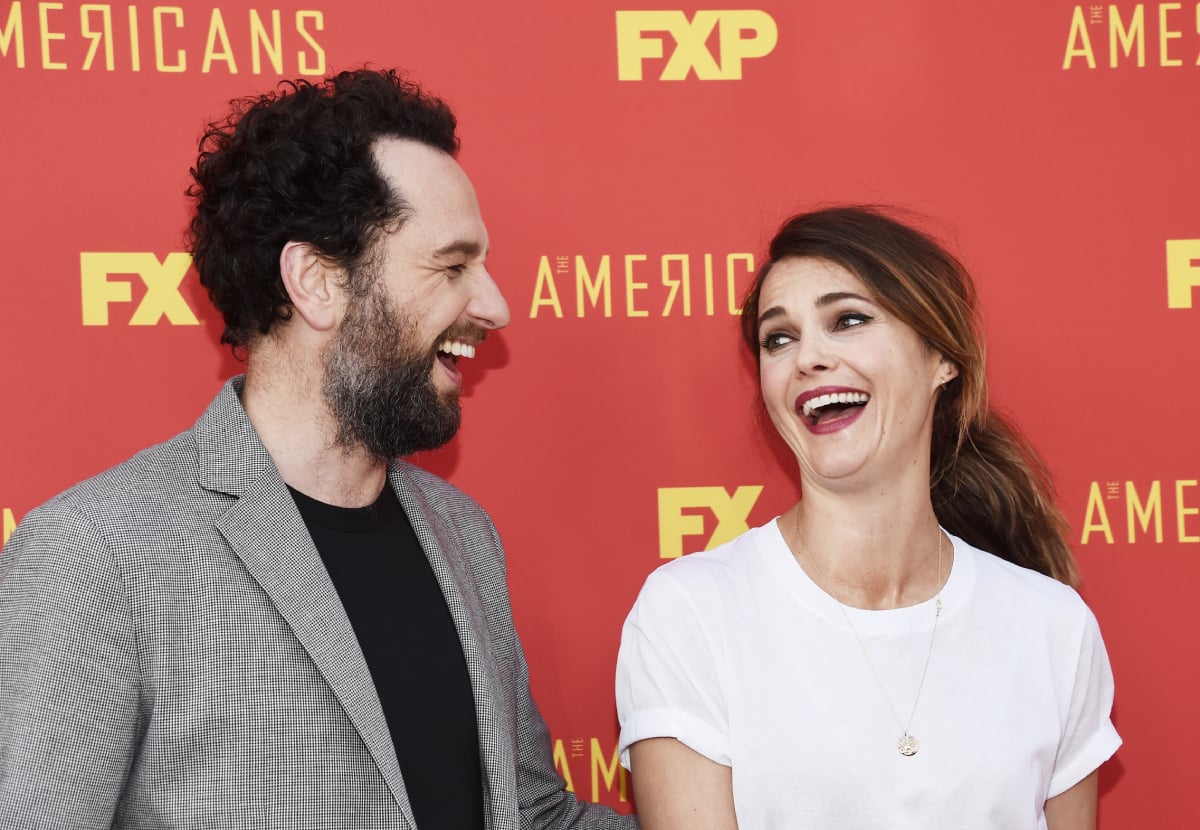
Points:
(700, 597)
(738, 562)
(1024, 590)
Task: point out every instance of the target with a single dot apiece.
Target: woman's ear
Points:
(312, 284)
(947, 371)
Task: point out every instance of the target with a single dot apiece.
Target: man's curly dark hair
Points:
(296, 164)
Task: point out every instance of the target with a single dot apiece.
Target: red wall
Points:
(1055, 142)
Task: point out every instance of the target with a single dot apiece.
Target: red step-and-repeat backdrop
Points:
(632, 159)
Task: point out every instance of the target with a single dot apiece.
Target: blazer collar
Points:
(265, 530)
(448, 556)
(232, 457)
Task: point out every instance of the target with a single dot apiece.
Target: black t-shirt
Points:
(408, 637)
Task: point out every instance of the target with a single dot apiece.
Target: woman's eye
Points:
(773, 341)
(851, 319)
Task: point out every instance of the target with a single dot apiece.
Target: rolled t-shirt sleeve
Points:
(669, 671)
(1089, 738)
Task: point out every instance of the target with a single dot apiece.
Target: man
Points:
(268, 621)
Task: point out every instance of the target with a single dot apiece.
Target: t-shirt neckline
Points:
(954, 594)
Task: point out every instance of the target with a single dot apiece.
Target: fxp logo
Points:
(742, 34)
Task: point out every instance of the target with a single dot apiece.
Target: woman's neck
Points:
(875, 553)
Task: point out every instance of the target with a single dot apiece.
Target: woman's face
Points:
(850, 388)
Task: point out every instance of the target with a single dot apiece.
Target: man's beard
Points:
(377, 383)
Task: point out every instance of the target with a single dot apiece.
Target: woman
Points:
(861, 661)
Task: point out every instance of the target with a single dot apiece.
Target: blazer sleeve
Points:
(542, 793)
(542, 797)
(69, 675)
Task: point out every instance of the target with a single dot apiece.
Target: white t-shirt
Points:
(738, 654)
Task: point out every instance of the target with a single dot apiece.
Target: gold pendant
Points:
(907, 745)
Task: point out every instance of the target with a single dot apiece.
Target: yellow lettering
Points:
(632, 285)
(731, 282)
(10, 524)
(1140, 513)
(318, 21)
(561, 764)
(545, 282)
(1095, 507)
(732, 515)
(632, 48)
(673, 523)
(691, 53)
(708, 285)
(163, 298)
(735, 49)
(160, 62)
(584, 285)
(97, 291)
(1117, 33)
(595, 288)
(13, 34)
(1181, 512)
(731, 511)
(135, 43)
(609, 771)
(1183, 271)
(1078, 43)
(216, 31)
(684, 282)
(105, 34)
(1166, 34)
(44, 10)
(260, 43)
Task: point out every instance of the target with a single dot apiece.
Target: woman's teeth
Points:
(814, 404)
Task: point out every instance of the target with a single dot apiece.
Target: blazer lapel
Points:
(265, 530)
(452, 568)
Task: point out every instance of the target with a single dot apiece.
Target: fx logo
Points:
(162, 280)
(1183, 271)
(731, 512)
(691, 51)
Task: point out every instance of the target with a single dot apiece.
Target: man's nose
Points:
(488, 308)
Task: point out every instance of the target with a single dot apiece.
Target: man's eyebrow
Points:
(467, 247)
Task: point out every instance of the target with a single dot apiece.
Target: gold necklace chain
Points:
(907, 745)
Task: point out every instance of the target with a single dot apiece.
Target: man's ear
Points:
(312, 284)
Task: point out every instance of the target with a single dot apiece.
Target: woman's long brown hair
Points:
(987, 484)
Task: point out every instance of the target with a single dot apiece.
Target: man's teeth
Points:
(457, 349)
(834, 397)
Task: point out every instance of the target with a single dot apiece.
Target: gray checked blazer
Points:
(173, 654)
